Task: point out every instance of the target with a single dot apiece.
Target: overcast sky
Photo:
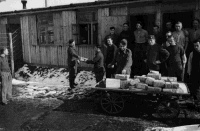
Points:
(11, 5)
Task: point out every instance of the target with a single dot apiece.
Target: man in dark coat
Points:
(155, 54)
(177, 59)
(111, 52)
(123, 59)
(112, 35)
(126, 34)
(73, 60)
(98, 62)
(194, 70)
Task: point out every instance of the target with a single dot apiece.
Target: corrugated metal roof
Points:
(74, 6)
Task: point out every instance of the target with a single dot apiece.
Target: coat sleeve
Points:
(129, 60)
(74, 54)
(95, 59)
(115, 58)
(164, 54)
(190, 63)
(114, 53)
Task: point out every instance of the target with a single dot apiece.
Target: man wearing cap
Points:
(98, 62)
(123, 59)
(155, 54)
(73, 60)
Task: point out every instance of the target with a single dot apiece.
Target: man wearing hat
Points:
(73, 60)
(98, 62)
(155, 54)
(123, 59)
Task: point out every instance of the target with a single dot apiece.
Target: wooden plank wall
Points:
(86, 51)
(106, 20)
(3, 20)
(56, 54)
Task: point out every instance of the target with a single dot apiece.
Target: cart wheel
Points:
(168, 109)
(112, 103)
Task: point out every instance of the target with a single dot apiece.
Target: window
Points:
(86, 34)
(45, 28)
(86, 31)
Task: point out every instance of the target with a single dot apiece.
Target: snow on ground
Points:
(45, 82)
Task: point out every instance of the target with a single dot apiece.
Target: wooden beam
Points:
(11, 55)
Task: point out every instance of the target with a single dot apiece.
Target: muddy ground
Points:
(80, 114)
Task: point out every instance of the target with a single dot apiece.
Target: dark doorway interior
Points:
(147, 20)
(13, 27)
(184, 17)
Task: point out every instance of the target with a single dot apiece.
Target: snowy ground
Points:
(44, 82)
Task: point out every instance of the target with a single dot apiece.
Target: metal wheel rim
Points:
(168, 109)
(112, 104)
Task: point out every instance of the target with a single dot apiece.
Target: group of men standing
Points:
(135, 53)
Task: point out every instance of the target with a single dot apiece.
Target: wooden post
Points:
(158, 20)
(11, 54)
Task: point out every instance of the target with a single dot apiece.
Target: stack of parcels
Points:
(154, 82)
(151, 82)
(120, 81)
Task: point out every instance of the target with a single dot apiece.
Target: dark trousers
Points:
(72, 73)
(176, 70)
(6, 86)
(139, 66)
(99, 74)
(195, 86)
(110, 72)
(163, 69)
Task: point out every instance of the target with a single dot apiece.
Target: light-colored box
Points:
(113, 83)
(122, 76)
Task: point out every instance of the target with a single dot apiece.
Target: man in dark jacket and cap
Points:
(123, 59)
(155, 54)
(73, 60)
(98, 62)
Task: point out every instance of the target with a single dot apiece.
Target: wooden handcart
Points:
(165, 104)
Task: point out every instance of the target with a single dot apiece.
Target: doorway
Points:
(184, 17)
(147, 21)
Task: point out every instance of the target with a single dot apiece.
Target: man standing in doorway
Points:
(180, 36)
(112, 35)
(73, 60)
(141, 37)
(194, 35)
(157, 34)
(126, 34)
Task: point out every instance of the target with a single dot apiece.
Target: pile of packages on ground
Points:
(153, 81)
